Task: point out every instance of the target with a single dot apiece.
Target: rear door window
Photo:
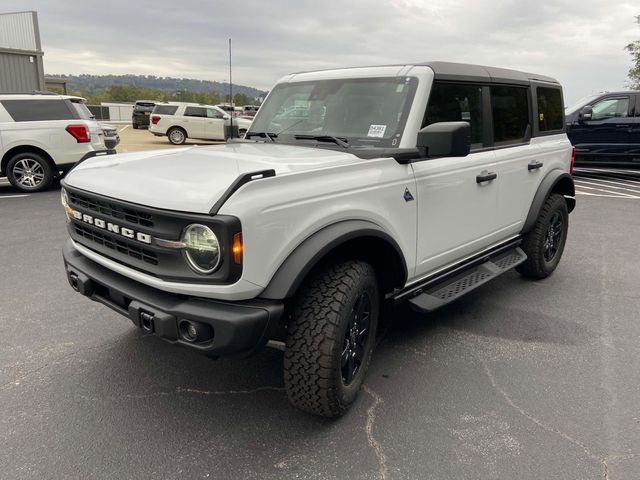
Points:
(451, 102)
(510, 108)
(38, 110)
(195, 112)
(550, 109)
(165, 109)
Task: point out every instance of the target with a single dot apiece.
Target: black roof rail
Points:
(239, 182)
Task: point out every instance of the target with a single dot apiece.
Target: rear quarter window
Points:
(165, 109)
(38, 110)
(550, 109)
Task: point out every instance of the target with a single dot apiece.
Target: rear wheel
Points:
(177, 135)
(29, 172)
(331, 338)
(544, 244)
(135, 126)
(241, 132)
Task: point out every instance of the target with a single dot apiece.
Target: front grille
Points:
(116, 244)
(111, 209)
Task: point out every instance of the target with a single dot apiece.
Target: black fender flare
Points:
(309, 252)
(555, 181)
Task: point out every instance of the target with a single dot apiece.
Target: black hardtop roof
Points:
(468, 72)
(480, 73)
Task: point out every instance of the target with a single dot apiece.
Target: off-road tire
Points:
(173, 140)
(537, 266)
(322, 315)
(38, 165)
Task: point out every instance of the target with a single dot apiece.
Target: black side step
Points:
(453, 288)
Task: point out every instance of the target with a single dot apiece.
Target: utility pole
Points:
(230, 94)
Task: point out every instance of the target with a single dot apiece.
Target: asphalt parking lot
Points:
(518, 380)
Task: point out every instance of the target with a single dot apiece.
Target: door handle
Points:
(534, 165)
(486, 177)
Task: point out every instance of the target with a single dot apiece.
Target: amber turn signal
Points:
(237, 248)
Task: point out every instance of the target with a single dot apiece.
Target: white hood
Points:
(192, 179)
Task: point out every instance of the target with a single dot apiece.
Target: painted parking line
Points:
(599, 183)
(621, 181)
(602, 190)
(603, 195)
(13, 196)
(124, 128)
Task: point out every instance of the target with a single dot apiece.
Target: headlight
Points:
(201, 247)
(64, 198)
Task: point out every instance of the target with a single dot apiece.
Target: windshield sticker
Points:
(376, 131)
(400, 88)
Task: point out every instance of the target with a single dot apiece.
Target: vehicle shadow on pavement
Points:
(478, 315)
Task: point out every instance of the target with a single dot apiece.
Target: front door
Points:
(456, 207)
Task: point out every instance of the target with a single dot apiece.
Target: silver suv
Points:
(43, 136)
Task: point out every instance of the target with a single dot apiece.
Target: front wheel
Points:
(331, 338)
(544, 244)
(177, 136)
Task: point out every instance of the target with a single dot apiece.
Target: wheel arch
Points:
(12, 152)
(350, 239)
(556, 181)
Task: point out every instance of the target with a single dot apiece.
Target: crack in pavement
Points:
(373, 443)
(178, 391)
(602, 459)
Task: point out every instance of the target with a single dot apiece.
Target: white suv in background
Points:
(43, 136)
(179, 121)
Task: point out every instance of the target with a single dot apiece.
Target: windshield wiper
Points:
(268, 136)
(343, 142)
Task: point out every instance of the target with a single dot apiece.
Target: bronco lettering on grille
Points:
(112, 227)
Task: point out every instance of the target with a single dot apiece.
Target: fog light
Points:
(195, 332)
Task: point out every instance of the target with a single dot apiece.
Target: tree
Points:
(634, 72)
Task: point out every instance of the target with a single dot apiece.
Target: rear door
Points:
(194, 121)
(609, 132)
(214, 124)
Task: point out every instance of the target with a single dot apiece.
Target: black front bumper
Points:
(236, 327)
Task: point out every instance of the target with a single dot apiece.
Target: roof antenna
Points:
(230, 95)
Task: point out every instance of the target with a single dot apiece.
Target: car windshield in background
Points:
(83, 111)
(580, 103)
(364, 111)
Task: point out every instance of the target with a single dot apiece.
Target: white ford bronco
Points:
(353, 188)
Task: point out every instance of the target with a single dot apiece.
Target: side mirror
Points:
(586, 113)
(445, 139)
(226, 117)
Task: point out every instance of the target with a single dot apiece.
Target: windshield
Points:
(83, 111)
(581, 103)
(363, 111)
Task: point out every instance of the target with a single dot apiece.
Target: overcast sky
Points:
(579, 42)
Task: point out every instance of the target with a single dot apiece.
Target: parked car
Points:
(405, 189)
(110, 135)
(179, 121)
(141, 113)
(605, 128)
(250, 110)
(43, 136)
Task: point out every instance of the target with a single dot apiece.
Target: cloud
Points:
(580, 43)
